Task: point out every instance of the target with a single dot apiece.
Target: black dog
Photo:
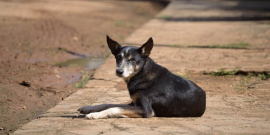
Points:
(154, 90)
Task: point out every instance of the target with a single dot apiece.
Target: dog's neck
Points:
(127, 79)
(144, 78)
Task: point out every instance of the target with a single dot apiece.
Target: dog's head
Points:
(129, 60)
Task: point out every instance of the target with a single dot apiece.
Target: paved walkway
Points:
(180, 24)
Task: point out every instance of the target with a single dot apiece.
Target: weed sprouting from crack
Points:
(223, 72)
(248, 79)
(264, 75)
(84, 80)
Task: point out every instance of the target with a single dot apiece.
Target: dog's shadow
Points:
(74, 116)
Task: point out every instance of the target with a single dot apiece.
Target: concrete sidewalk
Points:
(173, 31)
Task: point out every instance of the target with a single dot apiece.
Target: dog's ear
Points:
(146, 48)
(113, 45)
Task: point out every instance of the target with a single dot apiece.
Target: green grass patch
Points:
(223, 72)
(84, 80)
(250, 79)
(261, 76)
(264, 76)
(224, 46)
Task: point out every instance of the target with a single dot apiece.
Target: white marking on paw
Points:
(109, 113)
(96, 115)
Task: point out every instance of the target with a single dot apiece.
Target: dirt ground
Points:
(37, 34)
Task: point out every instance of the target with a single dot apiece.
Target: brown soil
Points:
(37, 34)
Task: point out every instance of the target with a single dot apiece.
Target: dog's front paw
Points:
(97, 115)
(86, 109)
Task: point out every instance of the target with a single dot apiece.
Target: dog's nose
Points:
(119, 71)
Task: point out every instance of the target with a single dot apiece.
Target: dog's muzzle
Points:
(119, 72)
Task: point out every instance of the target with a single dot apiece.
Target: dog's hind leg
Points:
(98, 108)
(118, 112)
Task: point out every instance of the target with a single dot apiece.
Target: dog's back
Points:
(168, 95)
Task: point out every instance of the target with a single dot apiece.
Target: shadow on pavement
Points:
(209, 19)
(236, 11)
(74, 116)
